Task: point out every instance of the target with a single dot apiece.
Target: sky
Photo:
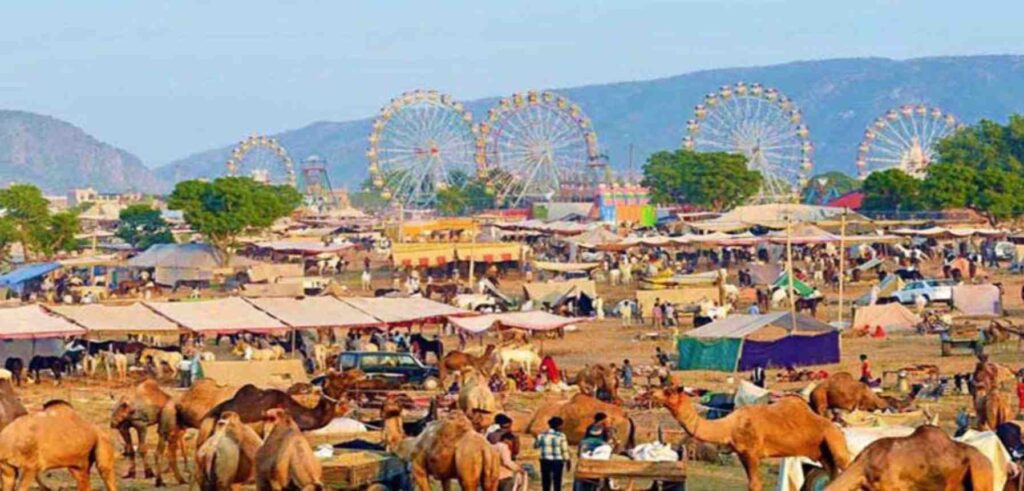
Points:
(167, 79)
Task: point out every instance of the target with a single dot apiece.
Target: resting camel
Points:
(578, 413)
(786, 428)
(926, 459)
(594, 379)
(228, 458)
(842, 391)
(449, 449)
(476, 399)
(10, 406)
(146, 406)
(992, 409)
(285, 460)
(456, 360)
(251, 403)
(34, 444)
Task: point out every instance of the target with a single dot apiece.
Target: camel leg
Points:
(81, 477)
(750, 465)
(171, 444)
(129, 452)
(7, 477)
(419, 475)
(143, 432)
(27, 477)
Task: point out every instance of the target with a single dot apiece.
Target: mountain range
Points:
(839, 98)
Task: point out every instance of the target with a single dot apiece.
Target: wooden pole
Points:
(472, 248)
(842, 263)
(789, 268)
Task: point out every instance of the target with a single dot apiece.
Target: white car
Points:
(931, 290)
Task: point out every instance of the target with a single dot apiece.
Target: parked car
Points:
(400, 368)
(931, 290)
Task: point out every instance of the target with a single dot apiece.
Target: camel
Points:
(926, 459)
(453, 361)
(285, 460)
(227, 459)
(578, 413)
(250, 353)
(525, 356)
(146, 406)
(337, 384)
(159, 358)
(251, 403)
(842, 391)
(393, 429)
(993, 409)
(476, 398)
(596, 378)
(33, 444)
(786, 428)
(10, 406)
(449, 449)
(204, 394)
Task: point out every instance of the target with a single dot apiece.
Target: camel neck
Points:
(710, 431)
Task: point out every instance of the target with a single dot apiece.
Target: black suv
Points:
(401, 368)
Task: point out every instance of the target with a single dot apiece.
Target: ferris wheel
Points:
(421, 142)
(904, 138)
(263, 159)
(763, 125)
(538, 145)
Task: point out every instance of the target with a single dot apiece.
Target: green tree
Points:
(823, 186)
(142, 226)
(231, 206)
(452, 201)
(891, 190)
(714, 181)
(28, 212)
(949, 185)
(59, 233)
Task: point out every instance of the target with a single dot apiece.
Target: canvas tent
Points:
(17, 278)
(743, 342)
(184, 262)
(540, 291)
(219, 316)
(108, 319)
(977, 299)
(891, 316)
(534, 320)
(402, 311)
(314, 312)
(32, 322)
(801, 288)
(775, 216)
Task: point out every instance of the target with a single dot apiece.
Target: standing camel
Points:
(146, 406)
(228, 458)
(285, 460)
(10, 406)
(34, 444)
(787, 428)
(455, 360)
(450, 449)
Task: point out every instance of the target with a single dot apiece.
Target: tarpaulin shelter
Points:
(539, 290)
(978, 299)
(891, 316)
(116, 319)
(16, 279)
(889, 285)
(801, 288)
(595, 238)
(775, 216)
(404, 311)
(218, 316)
(803, 234)
(185, 262)
(32, 322)
(314, 312)
(744, 342)
(534, 320)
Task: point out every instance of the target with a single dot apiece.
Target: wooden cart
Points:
(594, 474)
(365, 470)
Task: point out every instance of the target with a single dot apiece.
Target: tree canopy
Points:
(27, 221)
(142, 226)
(227, 207)
(714, 181)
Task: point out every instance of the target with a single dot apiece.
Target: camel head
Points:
(121, 414)
(273, 418)
(670, 397)
(391, 408)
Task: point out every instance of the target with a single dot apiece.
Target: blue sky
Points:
(165, 79)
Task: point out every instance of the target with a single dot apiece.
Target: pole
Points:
(842, 263)
(789, 268)
(472, 253)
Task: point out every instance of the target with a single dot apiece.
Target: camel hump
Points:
(52, 403)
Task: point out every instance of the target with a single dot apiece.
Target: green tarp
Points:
(801, 288)
(648, 216)
(709, 354)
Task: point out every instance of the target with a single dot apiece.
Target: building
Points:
(78, 196)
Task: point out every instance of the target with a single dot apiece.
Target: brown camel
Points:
(34, 444)
(476, 398)
(842, 391)
(455, 360)
(393, 429)
(927, 459)
(10, 406)
(786, 428)
(251, 403)
(285, 460)
(992, 409)
(594, 379)
(198, 400)
(227, 459)
(578, 413)
(148, 405)
(450, 449)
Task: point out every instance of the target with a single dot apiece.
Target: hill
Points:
(56, 155)
(838, 98)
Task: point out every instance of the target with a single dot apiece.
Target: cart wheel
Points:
(816, 480)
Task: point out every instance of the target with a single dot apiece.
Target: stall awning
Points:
(134, 318)
(32, 322)
(530, 321)
(27, 272)
(219, 316)
(314, 312)
(404, 310)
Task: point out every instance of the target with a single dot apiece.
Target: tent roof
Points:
(534, 320)
(403, 310)
(540, 290)
(304, 247)
(110, 318)
(774, 216)
(27, 272)
(32, 322)
(222, 315)
(595, 237)
(314, 312)
(891, 316)
(193, 256)
(765, 327)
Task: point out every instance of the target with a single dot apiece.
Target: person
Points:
(670, 314)
(554, 454)
(661, 356)
(757, 376)
(502, 425)
(754, 309)
(627, 374)
(865, 369)
(508, 467)
(1020, 397)
(656, 313)
(597, 434)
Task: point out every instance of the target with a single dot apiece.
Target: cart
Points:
(594, 474)
(365, 470)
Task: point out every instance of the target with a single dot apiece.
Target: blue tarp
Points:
(25, 273)
(790, 351)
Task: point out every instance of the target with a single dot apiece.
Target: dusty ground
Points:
(607, 341)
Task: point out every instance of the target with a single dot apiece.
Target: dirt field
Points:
(607, 341)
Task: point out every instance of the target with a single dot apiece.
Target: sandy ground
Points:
(606, 341)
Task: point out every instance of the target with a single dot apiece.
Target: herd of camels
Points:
(249, 435)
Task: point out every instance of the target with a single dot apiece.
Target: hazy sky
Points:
(164, 79)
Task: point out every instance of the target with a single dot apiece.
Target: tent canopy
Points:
(978, 299)
(32, 322)
(775, 216)
(891, 316)
(134, 318)
(26, 273)
(314, 312)
(541, 290)
(404, 310)
(534, 320)
(185, 256)
(219, 316)
(764, 327)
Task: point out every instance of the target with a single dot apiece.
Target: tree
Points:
(891, 190)
(715, 181)
(59, 235)
(452, 201)
(949, 185)
(230, 206)
(142, 226)
(28, 212)
(822, 188)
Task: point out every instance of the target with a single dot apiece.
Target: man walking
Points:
(554, 455)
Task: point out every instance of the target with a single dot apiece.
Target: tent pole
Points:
(789, 267)
(842, 263)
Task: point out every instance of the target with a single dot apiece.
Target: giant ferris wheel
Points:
(904, 138)
(763, 125)
(263, 159)
(421, 142)
(538, 145)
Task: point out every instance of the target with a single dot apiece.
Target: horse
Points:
(446, 290)
(16, 366)
(159, 358)
(421, 346)
(384, 292)
(525, 356)
(809, 304)
(55, 364)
